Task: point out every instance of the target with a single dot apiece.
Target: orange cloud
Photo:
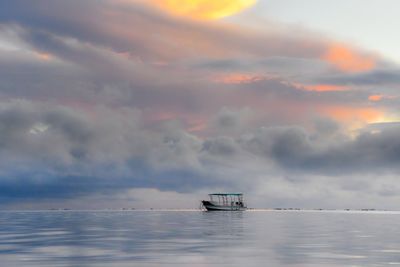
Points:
(351, 114)
(43, 56)
(379, 97)
(203, 9)
(237, 78)
(346, 59)
(316, 87)
(375, 98)
(325, 87)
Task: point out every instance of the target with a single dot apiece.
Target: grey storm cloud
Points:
(51, 151)
(295, 149)
(384, 76)
(60, 152)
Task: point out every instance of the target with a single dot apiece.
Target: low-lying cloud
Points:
(51, 151)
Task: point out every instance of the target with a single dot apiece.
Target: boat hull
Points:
(209, 206)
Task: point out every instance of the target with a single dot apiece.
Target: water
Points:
(193, 238)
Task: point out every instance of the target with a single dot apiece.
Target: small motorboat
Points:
(224, 202)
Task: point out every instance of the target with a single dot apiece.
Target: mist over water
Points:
(194, 238)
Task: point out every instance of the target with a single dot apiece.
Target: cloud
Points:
(203, 9)
(324, 87)
(109, 29)
(345, 59)
(132, 99)
(50, 151)
(375, 98)
(55, 152)
(228, 119)
(379, 76)
(237, 78)
(353, 114)
(381, 97)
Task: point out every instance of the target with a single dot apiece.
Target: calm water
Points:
(193, 238)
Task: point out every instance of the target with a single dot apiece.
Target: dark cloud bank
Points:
(55, 152)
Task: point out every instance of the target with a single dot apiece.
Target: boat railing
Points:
(227, 199)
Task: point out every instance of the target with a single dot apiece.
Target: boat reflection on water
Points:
(224, 202)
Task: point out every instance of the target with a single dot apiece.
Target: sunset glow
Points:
(203, 9)
(348, 114)
(345, 59)
(43, 56)
(325, 87)
(237, 78)
(375, 98)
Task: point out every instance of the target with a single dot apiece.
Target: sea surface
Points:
(195, 238)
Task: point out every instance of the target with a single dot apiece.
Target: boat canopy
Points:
(226, 194)
(226, 198)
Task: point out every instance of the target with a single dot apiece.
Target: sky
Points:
(156, 103)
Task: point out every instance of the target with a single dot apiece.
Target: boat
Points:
(224, 202)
